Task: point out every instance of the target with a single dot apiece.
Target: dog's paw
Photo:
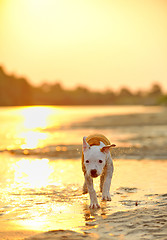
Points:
(84, 192)
(85, 188)
(94, 206)
(106, 197)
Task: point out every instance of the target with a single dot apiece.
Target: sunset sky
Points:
(95, 43)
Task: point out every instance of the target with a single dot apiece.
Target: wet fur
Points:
(95, 147)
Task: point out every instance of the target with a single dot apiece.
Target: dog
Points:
(97, 161)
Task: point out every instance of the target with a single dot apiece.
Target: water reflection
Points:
(32, 173)
(46, 194)
(40, 194)
(32, 139)
(43, 194)
(35, 120)
(36, 117)
(27, 127)
(41, 126)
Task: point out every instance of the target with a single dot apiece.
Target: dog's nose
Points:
(93, 173)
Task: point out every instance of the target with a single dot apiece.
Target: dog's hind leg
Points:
(107, 182)
(85, 188)
(101, 182)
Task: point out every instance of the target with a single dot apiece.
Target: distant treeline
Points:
(16, 91)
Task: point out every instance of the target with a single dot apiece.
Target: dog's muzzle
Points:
(93, 173)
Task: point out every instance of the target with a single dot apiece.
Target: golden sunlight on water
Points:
(44, 194)
(40, 126)
(32, 139)
(35, 119)
(32, 173)
(41, 194)
(35, 126)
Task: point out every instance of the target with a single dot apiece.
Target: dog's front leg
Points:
(92, 193)
(106, 189)
(85, 188)
(107, 182)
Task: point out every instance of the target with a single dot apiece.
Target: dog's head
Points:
(95, 157)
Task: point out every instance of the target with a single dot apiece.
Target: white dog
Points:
(97, 161)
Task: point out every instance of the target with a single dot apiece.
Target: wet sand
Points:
(155, 116)
(145, 223)
(58, 210)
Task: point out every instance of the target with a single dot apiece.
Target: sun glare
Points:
(35, 121)
(36, 117)
(32, 139)
(32, 173)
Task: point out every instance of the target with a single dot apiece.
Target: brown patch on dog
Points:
(94, 140)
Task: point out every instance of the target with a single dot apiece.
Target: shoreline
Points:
(48, 203)
(154, 118)
(141, 223)
(136, 211)
(74, 152)
(137, 135)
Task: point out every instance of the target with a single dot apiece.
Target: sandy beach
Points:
(138, 209)
(136, 216)
(143, 223)
(48, 203)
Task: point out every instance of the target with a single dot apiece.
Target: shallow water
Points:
(41, 126)
(45, 193)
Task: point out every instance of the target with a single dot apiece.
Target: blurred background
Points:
(83, 52)
(70, 68)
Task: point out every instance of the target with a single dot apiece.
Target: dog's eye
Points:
(87, 161)
(100, 161)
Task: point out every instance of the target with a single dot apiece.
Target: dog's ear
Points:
(85, 144)
(106, 148)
